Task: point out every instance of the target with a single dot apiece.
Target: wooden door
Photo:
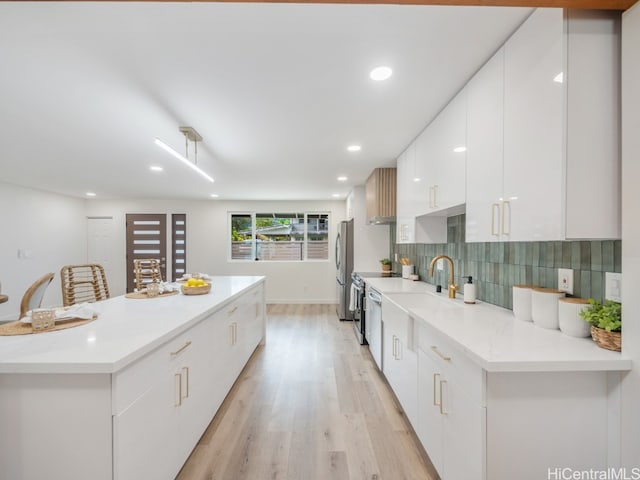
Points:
(146, 238)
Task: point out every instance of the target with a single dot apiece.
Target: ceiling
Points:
(277, 91)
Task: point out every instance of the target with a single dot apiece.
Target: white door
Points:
(100, 244)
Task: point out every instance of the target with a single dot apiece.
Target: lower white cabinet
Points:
(451, 415)
(399, 359)
(164, 402)
(481, 425)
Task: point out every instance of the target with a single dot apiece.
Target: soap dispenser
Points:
(469, 290)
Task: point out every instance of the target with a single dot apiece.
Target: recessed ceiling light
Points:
(214, 195)
(90, 194)
(460, 149)
(380, 73)
(559, 78)
(156, 168)
(336, 195)
(342, 179)
(416, 179)
(354, 148)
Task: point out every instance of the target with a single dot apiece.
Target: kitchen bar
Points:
(148, 374)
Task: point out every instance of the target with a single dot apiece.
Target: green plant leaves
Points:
(607, 316)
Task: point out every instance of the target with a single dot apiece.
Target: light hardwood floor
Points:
(310, 405)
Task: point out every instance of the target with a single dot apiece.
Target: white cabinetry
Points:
(441, 152)
(399, 359)
(533, 129)
(543, 161)
(412, 198)
(431, 177)
(485, 93)
(451, 417)
(164, 402)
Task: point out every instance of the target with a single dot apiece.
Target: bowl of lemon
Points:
(195, 286)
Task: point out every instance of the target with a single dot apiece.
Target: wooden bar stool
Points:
(83, 283)
(147, 270)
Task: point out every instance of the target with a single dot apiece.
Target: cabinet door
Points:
(450, 154)
(484, 151)
(146, 443)
(430, 419)
(400, 362)
(404, 213)
(464, 420)
(533, 128)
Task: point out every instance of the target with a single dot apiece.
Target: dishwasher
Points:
(373, 324)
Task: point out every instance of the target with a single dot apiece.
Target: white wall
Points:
(52, 228)
(371, 242)
(631, 233)
(207, 245)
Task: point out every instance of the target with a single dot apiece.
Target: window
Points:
(279, 236)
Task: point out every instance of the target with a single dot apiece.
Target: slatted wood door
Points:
(146, 238)
(179, 245)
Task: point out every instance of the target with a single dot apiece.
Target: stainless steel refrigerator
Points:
(344, 268)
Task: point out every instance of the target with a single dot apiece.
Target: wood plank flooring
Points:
(310, 405)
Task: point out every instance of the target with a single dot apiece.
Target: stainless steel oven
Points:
(359, 320)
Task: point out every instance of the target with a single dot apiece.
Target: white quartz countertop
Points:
(492, 337)
(126, 329)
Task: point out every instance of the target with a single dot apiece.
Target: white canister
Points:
(569, 317)
(544, 307)
(522, 302)
(407, 271)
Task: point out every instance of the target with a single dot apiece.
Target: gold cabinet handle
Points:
(436, 380)
(435, 196)
(494, 231)
(233, 310)
(442, 410)
(235, 332)
(233, 336)
(440, 354)
(178, 397)
(186, 371)
(181, 349)
(506, 204)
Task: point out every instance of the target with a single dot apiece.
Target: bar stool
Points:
(83, 283)
(147, 270)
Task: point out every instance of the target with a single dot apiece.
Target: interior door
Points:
(146, 238)
(100, 244)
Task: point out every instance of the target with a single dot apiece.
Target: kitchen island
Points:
(128, 395)
(493, 397)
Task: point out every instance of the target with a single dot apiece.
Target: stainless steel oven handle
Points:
(375, 297)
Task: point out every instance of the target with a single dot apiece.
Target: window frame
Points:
(256, 214)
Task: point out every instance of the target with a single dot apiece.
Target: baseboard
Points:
(298, 301)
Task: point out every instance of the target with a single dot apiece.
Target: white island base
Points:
(150, 397)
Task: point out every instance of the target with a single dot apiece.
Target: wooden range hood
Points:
(380, 193)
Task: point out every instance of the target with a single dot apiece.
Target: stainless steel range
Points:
(358, 280)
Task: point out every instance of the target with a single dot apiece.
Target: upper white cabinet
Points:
(441, 152)
(431, 177)
(412, 226)
(485, 93)
(542, 159)
(533, 129)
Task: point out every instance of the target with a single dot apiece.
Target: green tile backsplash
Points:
(496, 267)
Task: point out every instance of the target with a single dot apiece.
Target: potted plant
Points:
(606, 323)
(386, 264)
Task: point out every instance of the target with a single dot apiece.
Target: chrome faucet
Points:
(452, 286)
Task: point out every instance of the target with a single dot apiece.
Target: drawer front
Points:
(454, 363)
(131, 383)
